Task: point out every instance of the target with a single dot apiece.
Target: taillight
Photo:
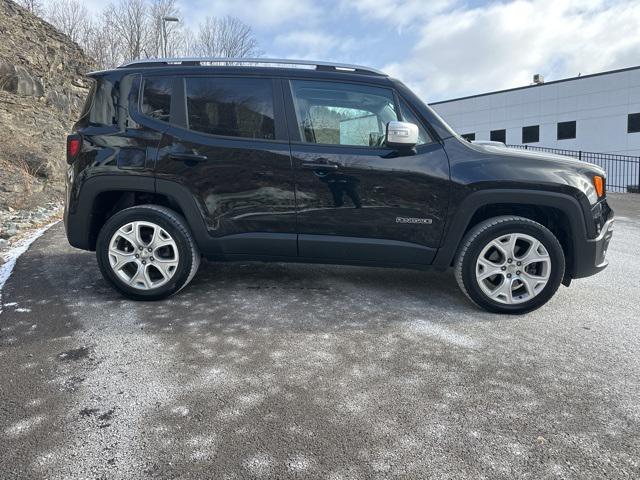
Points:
(74, 143)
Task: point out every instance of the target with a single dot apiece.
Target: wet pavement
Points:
(306, 371)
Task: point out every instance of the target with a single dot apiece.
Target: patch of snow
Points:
(22, 426)
(441, 333)
(259, 465)
(298, 464)
(11, 257)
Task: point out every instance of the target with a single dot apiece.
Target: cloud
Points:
(257, 13)
(400, 13)
(316, 45)
(465, 51)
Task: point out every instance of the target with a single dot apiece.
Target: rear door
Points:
(359, 200)
(227, 144)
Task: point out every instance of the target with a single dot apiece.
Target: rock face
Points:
(42, 89)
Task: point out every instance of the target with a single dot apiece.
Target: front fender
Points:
(459, 219)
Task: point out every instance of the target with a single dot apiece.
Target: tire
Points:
(500, 267)
(152, 235)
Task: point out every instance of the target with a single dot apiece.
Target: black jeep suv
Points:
(174, 159)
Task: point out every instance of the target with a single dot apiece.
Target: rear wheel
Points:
(510, 265)
(147, 252)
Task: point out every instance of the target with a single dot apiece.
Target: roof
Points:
(538, 85)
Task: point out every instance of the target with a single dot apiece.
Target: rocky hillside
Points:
(42, 90)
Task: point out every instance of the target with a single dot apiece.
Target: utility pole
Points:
(163, 20)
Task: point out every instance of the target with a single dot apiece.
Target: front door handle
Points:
(191, 157)
(319, 166)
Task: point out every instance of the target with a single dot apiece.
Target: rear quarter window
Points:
(104, 103)
(156, 98)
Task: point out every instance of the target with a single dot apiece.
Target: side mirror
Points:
(401, 135)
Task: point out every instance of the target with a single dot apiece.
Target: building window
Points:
(498, 136)
(633, 123)
(469, 136)
(531, 134)
(566, 130)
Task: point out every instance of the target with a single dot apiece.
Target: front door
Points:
(357, 199)
(227, 144)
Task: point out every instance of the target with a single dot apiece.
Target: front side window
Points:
(342, 113)
(156, 97)
(409, 116)
(233, 107)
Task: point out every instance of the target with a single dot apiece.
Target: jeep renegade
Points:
(263, 160)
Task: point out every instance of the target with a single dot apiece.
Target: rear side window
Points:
(156, 98)
(233, 107)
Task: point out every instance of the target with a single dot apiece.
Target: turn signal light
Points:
(598, 182)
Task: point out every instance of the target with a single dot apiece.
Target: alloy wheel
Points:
(513, 268)
(143, 255)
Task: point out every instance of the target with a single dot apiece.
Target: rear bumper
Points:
(590, 257)
(77, 230)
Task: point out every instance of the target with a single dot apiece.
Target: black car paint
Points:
(345, 212)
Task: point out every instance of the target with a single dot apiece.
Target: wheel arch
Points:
(561, 213)
(101, 197)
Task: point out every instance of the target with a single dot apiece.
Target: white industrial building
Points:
(594, 113)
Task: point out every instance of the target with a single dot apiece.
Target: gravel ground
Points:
(305, 371)
(15, 224)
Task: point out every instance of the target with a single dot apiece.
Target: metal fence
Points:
(623, 171)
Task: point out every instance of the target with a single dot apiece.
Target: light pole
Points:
(164, 32)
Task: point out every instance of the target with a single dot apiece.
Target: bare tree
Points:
(225, 37)
(130, 29)
(70, 17)
(157, 10)
(102, 44)
(34, 6)
(129, 21)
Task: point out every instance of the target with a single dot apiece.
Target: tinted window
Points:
(531, 134)
(566, 130)
(342, 113)
(156, 98)
(234, 107)
(633, 123)
(103, 103)
(498, 136)
(469, 136)
(409, 116)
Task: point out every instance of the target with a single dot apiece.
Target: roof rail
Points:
(196, 61)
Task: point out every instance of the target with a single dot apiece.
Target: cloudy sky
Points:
(443, 48)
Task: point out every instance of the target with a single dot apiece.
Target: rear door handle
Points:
(193, 157)
(320, 166)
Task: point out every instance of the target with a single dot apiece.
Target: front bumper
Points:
(590, 256)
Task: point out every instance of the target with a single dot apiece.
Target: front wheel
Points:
(509, 264)
(147, 252)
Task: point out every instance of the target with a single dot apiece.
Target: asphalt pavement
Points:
(306, 371)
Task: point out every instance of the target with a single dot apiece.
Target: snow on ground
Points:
(10, 258)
